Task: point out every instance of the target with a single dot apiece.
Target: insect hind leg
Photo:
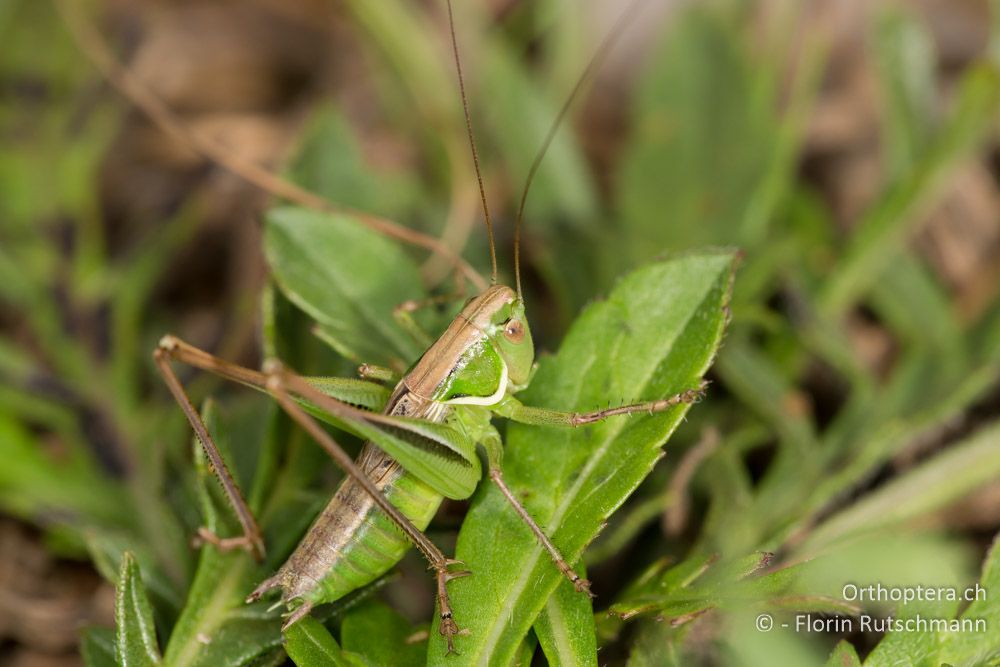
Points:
(252, 540)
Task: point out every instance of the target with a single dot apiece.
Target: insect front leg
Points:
(513, 409)
(279, 384)
(494, 451)
(252, 539)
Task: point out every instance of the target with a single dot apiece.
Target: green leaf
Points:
(981, 645)
(844, 655)
(520, 116)
(873, 245)
(216, 628)
(655, 335)
(136, 638)
(565, 628)
(379, 634)
(346, 277)
(919, 649)
(904, 53)
(697, 585)
(34, 482)
(956, 472)
(97, 646)
(704, 138)
(330, 163)
(107, 550)
(309, 644)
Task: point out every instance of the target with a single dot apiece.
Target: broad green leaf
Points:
(655, 335)
(330, 163)
(309, 644)
(916, 649)
(346, 277)
(136, 639)
(380, 636)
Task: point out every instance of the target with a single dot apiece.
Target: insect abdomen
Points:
(352, 543)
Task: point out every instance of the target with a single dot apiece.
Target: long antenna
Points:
(602, 51)
(472, 144)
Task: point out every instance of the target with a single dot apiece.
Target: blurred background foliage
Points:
(848, 148)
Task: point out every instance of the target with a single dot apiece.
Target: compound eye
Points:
(514, 331)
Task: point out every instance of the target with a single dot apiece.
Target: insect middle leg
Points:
(494, 452)
(513, 409)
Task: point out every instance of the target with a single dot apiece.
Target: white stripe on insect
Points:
(492, 399)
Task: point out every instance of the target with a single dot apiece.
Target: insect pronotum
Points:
(421, 445)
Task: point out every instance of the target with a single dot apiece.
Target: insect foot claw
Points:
(696, 394)
(583, 586)
(449, 630)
